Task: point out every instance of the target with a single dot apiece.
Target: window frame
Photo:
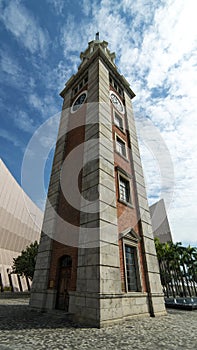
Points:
(133, 243)
(114, 83)
(130, 202)
(115, 113)
(125, 144)
(80, 85)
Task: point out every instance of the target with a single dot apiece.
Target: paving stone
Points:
(23, 329)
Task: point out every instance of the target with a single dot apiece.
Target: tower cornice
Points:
(99, 53)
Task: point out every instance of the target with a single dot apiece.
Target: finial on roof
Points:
(93, 46)
(97, 36)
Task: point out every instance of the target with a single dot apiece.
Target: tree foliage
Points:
(178, 268)
(24, 264)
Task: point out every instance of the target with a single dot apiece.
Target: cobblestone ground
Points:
(21, 329)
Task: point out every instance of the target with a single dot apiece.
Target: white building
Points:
(20, 225)
(160, 223)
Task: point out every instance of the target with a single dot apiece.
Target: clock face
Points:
(116, 102)
(79, 101)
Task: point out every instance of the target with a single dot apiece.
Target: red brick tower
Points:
(97, 256)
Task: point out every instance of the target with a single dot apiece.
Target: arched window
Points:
(66, 261)
(130, 240)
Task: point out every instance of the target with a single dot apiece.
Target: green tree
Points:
(178, 268)
(24, 264)
(188, 261)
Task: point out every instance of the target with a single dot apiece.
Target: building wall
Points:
(20, 223)
(160, 223)
(75, 135)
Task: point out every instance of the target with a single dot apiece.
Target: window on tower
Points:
(75, 90)
(131, 268)
(121, 146)
(124, 187)
(113, 82)
(130, 241)
(118, 121)
(124, 190)
(85, 79)
(80, 85)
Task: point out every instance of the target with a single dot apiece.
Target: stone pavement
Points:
(21, 329)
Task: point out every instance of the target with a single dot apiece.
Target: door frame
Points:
(65, 262)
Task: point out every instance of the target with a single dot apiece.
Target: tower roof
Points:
(97, 48)
(93, 46)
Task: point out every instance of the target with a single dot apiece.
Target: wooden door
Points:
(64, 284)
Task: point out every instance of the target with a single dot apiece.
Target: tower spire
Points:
(92, 47)
(97, 36)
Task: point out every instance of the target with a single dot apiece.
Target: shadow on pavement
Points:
(13, 317)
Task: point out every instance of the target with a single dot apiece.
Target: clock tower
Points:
(97, 258)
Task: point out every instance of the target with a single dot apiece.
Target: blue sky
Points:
(156, 50)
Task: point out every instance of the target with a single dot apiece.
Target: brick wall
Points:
(127, 216)
(75, 137)
(60, 250)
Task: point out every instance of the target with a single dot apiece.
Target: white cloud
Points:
(86, 7)
(37, 102)
(11, 72)
(72, 40)
(45, 105)
(57, 5)
(171, 36)
(8, 65)
(21, 23)
(56, 78)
(24, 122)
(10, 137)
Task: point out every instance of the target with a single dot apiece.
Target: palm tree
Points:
(189, 263)
(178, 268)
